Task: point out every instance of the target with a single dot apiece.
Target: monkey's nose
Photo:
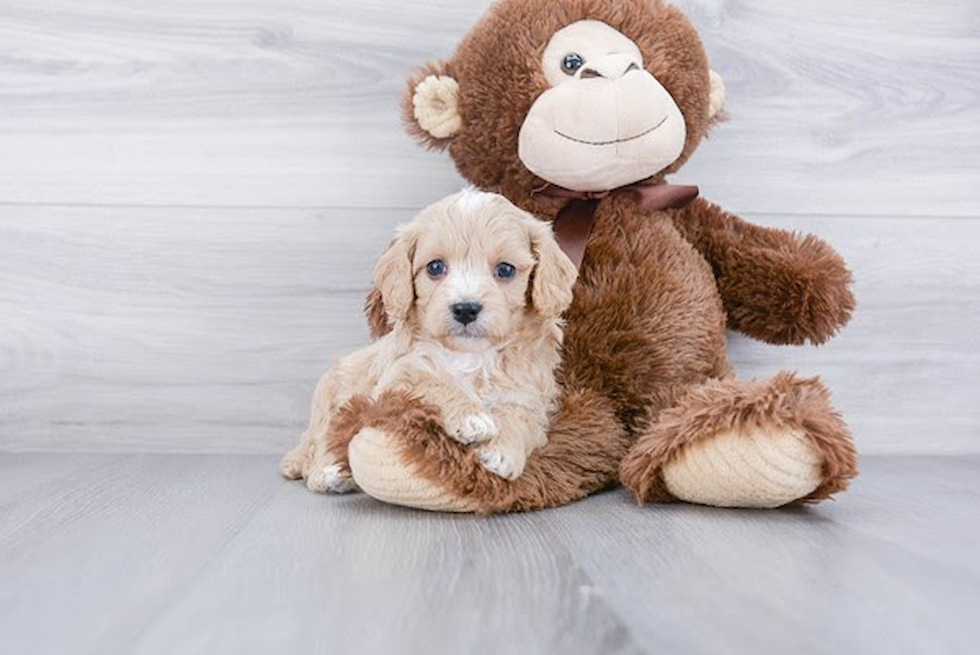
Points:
(466, 312)
(611, 67)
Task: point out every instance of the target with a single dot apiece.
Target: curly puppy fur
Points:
(645, 373)
(477, 337)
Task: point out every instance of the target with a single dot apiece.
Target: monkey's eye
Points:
(571, 63)
(436, 268)
(505, 271)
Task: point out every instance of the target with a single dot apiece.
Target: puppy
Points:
(474, 289)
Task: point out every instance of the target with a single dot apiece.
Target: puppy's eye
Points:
(436, 268)
(505, 271)
(572, 62)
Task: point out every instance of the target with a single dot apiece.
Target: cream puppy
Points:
(474, 289)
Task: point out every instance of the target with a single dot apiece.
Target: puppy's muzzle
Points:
(466, 312)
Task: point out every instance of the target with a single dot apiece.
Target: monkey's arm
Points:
(464, 417)
(777, 286)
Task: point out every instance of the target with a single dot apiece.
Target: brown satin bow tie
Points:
(573, 224)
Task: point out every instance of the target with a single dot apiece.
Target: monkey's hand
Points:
(776, 286)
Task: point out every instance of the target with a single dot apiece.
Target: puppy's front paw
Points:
(501, 462)
(472, 428)
(330, 479)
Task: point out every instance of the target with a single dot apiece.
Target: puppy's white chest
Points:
(470, 369)
(469, 363)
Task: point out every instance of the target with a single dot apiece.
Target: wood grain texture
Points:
(205, 330)
(192, 195)
(89, 559)
(812, 581)
(180, 554)
(837, 107)
(133, 321)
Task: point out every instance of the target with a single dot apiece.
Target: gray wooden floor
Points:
(192, 194)
(169, 554)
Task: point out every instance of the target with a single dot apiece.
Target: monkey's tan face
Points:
(605, 121)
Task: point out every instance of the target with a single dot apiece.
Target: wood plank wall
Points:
(192, 194)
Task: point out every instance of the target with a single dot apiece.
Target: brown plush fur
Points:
(581, 456)
(497, 66)
(345, 424)
(778, 287)
(724, 405)
(645, 371)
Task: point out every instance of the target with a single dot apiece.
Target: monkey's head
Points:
(588, 95)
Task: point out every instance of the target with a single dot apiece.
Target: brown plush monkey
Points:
(563, 106)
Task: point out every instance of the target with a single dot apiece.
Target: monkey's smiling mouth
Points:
(614, 141)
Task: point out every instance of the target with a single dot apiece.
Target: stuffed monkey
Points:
(576, 110)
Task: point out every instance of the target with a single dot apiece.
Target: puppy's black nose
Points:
(466, 312)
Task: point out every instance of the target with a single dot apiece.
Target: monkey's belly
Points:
(647, 320)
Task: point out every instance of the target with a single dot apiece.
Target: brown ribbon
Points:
(573, 224)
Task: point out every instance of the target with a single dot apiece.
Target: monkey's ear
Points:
(716, 99)
(431, 106)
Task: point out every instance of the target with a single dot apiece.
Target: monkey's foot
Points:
(402, 455)
(730, 443)
(381, 472)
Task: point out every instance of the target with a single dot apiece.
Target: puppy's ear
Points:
(430, 108)
(554, 275)
(377, 317)
(393, 275)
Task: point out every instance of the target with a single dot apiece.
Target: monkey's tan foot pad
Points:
(379, 471)
(752, 468)
(734, 443)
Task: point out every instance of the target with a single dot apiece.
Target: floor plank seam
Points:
(173, 598)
